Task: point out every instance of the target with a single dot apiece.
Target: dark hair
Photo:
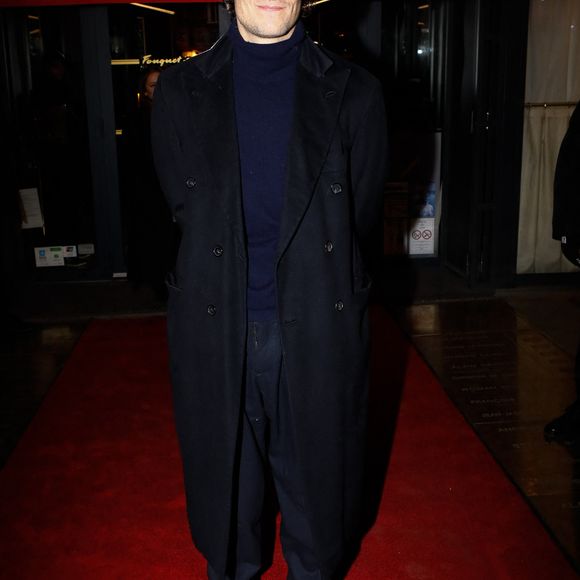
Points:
(231, 8)
(144, 75)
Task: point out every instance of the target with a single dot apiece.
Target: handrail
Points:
(546, 105)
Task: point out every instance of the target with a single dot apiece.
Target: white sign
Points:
(422, 236)
(69, 251)
(53, 255)
(31, 212)
(86, 249)
(49, 256)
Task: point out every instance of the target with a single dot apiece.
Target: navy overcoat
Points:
(333, 201)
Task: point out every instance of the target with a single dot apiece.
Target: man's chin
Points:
(277, 34)
(275, 29)
(271, 34)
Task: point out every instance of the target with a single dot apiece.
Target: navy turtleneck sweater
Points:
(264, 88)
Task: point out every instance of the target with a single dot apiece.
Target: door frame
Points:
(483, 135)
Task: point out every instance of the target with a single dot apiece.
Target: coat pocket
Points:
(361, 279)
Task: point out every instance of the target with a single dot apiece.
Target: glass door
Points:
(51, 157)
(143, 42)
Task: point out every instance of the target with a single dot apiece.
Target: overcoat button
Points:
(339, 306)
(336, 188)
(211, 310)
(218, 251)
(190, 182)
(329, 246)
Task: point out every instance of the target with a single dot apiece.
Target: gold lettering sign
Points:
(148, 60)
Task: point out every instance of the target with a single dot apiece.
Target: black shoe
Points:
(566, 428)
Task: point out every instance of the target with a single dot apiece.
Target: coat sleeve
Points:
(166, 150)
(368, 176)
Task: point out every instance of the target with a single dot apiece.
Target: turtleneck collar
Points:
(259, 60)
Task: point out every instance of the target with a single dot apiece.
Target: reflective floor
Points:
(31, 357)
(509, 369)
(506, 362)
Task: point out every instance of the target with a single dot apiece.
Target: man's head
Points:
(151, 83)
(265, 21)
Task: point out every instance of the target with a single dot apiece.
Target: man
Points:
(566, 229)
(271, 153)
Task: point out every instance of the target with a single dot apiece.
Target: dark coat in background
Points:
(336, 172)
(150, 235)
(566, 216)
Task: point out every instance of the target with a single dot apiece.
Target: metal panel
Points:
(101, 127)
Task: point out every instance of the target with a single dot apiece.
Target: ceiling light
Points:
(164, 10)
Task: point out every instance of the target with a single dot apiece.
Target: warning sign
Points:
(53, 255)
(422, 237)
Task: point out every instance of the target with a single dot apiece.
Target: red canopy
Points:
(26, 3)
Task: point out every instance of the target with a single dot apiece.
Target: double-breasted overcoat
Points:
(333, 201)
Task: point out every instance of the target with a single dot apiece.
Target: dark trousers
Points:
(268, 446)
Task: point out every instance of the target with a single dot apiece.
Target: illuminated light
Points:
(32, 17)
(189, 53)
(148, 61)
(147, 7)
(423, 6)
(315, 3)
(125, 61)
(118, 132)
(35, 31)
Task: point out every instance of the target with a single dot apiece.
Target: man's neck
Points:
(249, 36)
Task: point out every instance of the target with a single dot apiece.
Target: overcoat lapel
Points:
(319, 93)
(216, 134)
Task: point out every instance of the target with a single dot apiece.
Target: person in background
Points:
(150, 229)
(566, 229)
(272, 154)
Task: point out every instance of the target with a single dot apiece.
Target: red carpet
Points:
(94, 489)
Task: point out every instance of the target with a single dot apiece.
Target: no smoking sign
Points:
(422, 237)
